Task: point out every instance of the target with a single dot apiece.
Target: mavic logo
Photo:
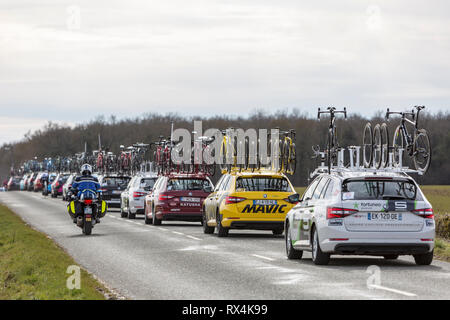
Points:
(264, 208)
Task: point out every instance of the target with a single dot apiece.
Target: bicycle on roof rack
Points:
(417, 144)
(332, 143)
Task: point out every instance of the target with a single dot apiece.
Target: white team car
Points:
(132, 199)
(361, 213)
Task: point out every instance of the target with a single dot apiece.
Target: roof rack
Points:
(355, 163)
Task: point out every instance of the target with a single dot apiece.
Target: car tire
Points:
(146, 218)
(131, 216)
(156, 221)
(206, 229)
(391, 256)
(222, 232)
(424, 259)
(277, 232)
(318, 257)
(123, 214)
(291, 253)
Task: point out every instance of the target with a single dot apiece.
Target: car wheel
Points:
(277, 232)
(290, 251)
(123, 214)
(391, 256)
(424, 259)
(156, 221)
(206, 229)
(222, 232)
(131, 215)
(318, 257)
(146, 218)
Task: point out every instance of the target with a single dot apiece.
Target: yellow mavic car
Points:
(248, 200)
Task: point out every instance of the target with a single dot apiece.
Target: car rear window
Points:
(264, 184)
(379, 190)
(146, 183)
(115, 182)
(188, 184)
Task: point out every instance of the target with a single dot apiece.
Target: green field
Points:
(33, 267)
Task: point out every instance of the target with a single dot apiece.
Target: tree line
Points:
(59, 140)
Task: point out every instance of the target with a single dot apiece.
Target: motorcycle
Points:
(86, 209)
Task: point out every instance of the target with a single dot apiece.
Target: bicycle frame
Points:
(414, 122)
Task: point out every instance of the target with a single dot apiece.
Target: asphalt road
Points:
(178, 261)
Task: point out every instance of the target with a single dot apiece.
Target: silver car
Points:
(132, 199)
(361, 213)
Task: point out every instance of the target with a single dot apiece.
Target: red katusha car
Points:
(177, 197)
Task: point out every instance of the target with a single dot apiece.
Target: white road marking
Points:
(192, 237)
(163, 229)
(408, 294)
(176, 232)
(262, 257)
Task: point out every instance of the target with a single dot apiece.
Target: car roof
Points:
(263, 173)
(343, 175)
(188, 175)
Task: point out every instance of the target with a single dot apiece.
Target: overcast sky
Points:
(69, 61)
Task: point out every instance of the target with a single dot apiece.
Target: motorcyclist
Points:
(86, 184)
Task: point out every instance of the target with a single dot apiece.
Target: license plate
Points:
(384, 216)
(265, 202)
(186, 199)
(117, 192)
(88, 210)
(88, 219)
(190, 204)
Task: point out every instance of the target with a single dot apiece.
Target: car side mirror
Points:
(294, 198)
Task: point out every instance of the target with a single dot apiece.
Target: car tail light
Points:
(233, 200)
(164, 197)
(333, 212)
(103, 190)
(427, 213)
(138, 195)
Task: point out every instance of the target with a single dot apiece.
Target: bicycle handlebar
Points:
(332, 111)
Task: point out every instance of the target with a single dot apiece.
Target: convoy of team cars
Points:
(132, 199)
(355, 213)
(248, 200)
(177, 197)
(346, 210)
(112, 187)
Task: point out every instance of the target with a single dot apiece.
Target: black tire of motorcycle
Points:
(87, 227)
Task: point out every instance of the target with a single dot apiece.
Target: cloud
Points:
(213, 56)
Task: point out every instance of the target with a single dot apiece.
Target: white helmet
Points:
(86, 169)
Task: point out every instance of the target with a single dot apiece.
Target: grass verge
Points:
(33, 267)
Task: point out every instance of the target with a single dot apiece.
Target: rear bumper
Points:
(382, 248)
(255, 225)
(188, 216)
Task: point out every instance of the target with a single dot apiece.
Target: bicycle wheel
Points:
(292, 163)
(367, 145)
(223, 156)
(385, 145)
(377, 145)
(331, 148)
(398, 142)
(422, 151)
